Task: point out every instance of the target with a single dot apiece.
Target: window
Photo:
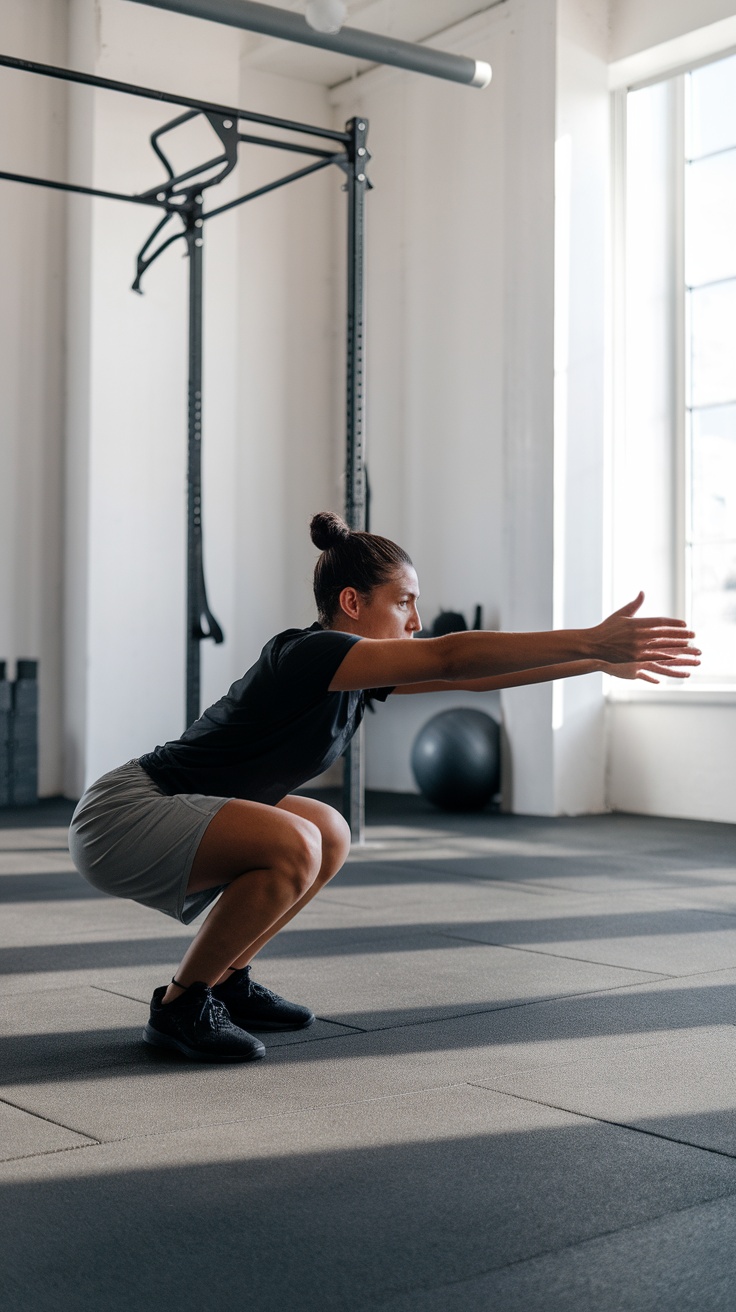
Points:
(677, 524)
(710, 357)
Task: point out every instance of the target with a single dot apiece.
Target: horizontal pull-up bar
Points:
(149, 93)
(78, 190)
(378, 49)
(154, 195)
(273, 186)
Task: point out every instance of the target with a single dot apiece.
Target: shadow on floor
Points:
(483, 1024)
(315, 1220)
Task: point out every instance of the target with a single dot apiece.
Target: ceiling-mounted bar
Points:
(150, 93)
(372, 46)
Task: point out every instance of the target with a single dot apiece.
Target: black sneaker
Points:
(252, 1004)
(198, 1025)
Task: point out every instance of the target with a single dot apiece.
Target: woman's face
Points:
(389, 612)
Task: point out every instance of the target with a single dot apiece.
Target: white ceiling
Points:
(408, 20)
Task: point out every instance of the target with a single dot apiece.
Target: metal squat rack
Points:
(181, 198)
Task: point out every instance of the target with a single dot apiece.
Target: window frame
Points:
(701, 690)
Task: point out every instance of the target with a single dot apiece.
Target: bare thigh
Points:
(245, 836)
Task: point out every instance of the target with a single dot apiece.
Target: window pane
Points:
(712, 315)
(713, 474)
(712, 107)
(713, 606)
(710, 219)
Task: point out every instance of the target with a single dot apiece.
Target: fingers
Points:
(659, 648)
(664, 624)
(677, 660)
(669, 670)
(678, 639)
(670, 673)
(631, 606)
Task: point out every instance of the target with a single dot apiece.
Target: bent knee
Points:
(336, 840)
(301, 855)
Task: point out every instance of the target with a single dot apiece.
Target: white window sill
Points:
(704, 694)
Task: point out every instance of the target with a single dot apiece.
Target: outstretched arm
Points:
(460, 657)
(670, 667)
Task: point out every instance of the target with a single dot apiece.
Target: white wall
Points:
(673, 760)
(266, 460)
(32, 277)
(289, 449)
(128, 370)
(637, 25)
(435, 353)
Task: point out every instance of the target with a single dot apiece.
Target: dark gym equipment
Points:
(6, 720)
(19, 735)
(456, 759)
(448, 621)
(451, 621)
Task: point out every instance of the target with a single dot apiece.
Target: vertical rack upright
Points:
(355, 498)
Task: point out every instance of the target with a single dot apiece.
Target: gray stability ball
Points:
(456, 759)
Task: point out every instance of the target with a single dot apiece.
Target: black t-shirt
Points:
(275, 728)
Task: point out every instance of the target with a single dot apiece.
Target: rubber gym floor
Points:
(520, 1092)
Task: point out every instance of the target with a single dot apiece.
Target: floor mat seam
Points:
(49, 1121)
(606, 1120)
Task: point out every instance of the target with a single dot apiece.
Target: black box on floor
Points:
(6, 716)
(25, 789)
(24, 735)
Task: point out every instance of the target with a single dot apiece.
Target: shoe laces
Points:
(252, 988)
(262, 992)
(213, 1014)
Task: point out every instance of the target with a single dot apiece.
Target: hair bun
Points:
(328, 530)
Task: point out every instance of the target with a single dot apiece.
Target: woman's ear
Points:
(350, 600)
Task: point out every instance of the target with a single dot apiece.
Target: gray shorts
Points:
(130, 839)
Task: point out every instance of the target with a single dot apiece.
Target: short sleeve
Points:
(377, 694)
(308, 662)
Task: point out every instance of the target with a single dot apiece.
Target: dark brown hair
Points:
(349, 560)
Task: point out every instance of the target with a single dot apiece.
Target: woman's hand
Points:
(625, 639)
(670, 666)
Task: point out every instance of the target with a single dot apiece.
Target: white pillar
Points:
(529, 396)
(555, 391)
(581, 247)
